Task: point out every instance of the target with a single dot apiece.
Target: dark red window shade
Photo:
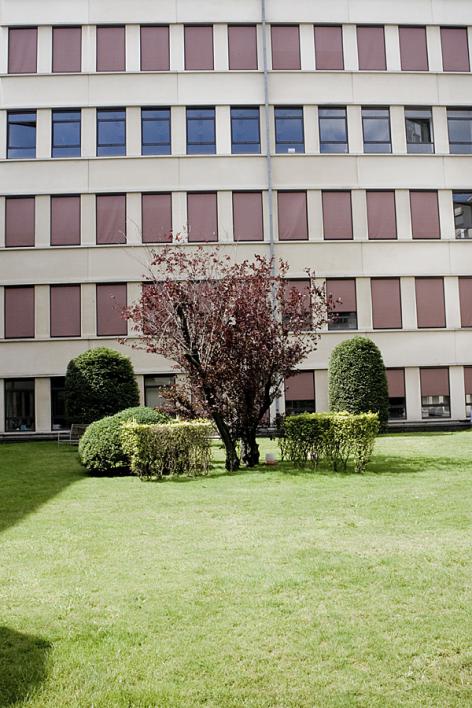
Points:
(19, 312)
(242, 47)
(425, 215)
(468, 379)
(111, 299)
(371, 48)
(430, 306)
(285, 41)
(386, 303)
(455, 49)
(65, 310)
(342, 293)
(396, 383)
(157, 218)
(247, 216)
(111, 49)
(66, 49)
(465, 294)
(202, 217)
(199, 47)
(65, 221)
(302, 286)
(381, 217)
(434, 382)
(329, 47)
(22, 50)
(337, 215)
(292, 214)
(155, 54)
(111, 218)
(19, 222)
(300, 386)
(413, 50)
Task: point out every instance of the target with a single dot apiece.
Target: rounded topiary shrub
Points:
(99, 383)
(100, 448)
(357, 379)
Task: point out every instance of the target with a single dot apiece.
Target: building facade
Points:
(336, 135)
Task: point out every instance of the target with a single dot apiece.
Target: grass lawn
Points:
(265, 588)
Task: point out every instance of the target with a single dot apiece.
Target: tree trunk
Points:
(250, 449)
(232, 459)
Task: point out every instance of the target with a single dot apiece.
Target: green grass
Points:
(266, 588)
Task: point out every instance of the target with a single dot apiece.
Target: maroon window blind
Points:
(337, 215)
(342, 293)
(434, 382)
(455, 49)
(22, 50)
(425, 215)
(111, 49)
(430, 307)
(242, 46)
(292, 214)
(202, 217)
(329, 47)
(413, 50)
(285, 40)
(300, 386)
(302, 286)
(465, 295)
(199, 47)
(155, 54)
(386, 303)
(111, 218)
(157, 218)
(371, 48)
(65, 310)
(381, 217)
(247, 216)
(65, 221)
(111, 299)
(19, 312)
(396, 383)
(468, 379)
(66, 49)
(19, 221)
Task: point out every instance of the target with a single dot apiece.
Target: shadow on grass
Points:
(380, 465)
(23, 665)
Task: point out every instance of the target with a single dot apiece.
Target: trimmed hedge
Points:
(155, 451)
(100, 448)
(336, 438)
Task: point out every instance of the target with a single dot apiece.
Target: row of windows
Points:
(242, 48)
(294, 217)
(245, 131)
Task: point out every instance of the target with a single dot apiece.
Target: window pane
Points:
(245, 133)
(58, 403)
(66, 134)
(19, 405)
(111, 133)
(201, 131)
(289, 133)
(156, 132)
(462, 202)
(21, 135)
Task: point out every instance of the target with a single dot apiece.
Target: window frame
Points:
(365, 119)
(457, 229)
(208, 119)
(279, 143)
(460, 119)
(58, 111)
(234, 118)
(144, 120)
(32, 396)
(412, 118)
(337, 119)
(100, 120)
(31, 152)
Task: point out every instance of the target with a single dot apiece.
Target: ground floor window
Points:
(300, 393)
(58, 403)
(396, 394)
(468, 404)
(397, 408)
(435, 397)
(19, 405)
(153, 386)
(435, 407)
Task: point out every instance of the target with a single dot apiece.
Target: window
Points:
(333, 130)
(435, 398)
(65, 310)
(396, 394)
(157, 218)
(465, 297)
(202, 217)
(300, 393)
(65, 220)
(430, 307)
(386, 303)
(19, 222)
(371, 48)
(155, 55)
(337, 215)
(111, 218)
(58, 403)
(22, 50)
(242, 47)
(111, 299)
(19, 405)
(376, 129)
(66, 133)
(153, 386)
(292, 216)
(111, 131)
(455, 49)
(419, 130)
(301, 290)
(459, 125)
(21, 135)
(468, 390)
(201, 135)
(111, 49)
(425, 215)
(413, 50)
(289, 134)
(247, 216)
(155, 131)
(285, 46)
(199, 47)
(462, 203)
(381, 215)
(19, 312)
(342, 304)
(329, 47)
(66, 49)
(245, 130)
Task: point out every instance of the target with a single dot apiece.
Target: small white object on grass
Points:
(270, 459)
